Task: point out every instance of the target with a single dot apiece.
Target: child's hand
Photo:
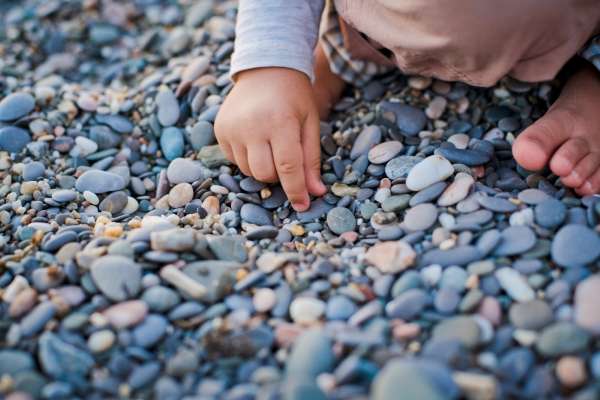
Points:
(269, 126)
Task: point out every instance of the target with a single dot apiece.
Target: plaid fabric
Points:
(353, 71)
(592, 52)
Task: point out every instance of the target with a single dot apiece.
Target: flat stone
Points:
(255, 214)
(383, 152)
(180, 195)
(550, 213)
(462, 328)
(340, 308)
(64, 195)
(306, 310)
(533, 196)
(530, 315)
(184, 170)
(460, 255)
(33, 170)
(497, 204)
(575, 245)
(464, 156)
(429, 171)
(114, 203)
(367, 139)
(457, 191)
(340, 220)
(408, 305)
(118, 277)
(409, 120)
(228, 248)
(420, 217)
(15, 361)
(586, 304)
(216, 276)
(13, 139)
(126, 314)
(201, 134)
(414, 379)
(399, 167)
(562, 338)
(515, 240)
(514, 284)
(391, 257)
(172, 143)
(168, 107)
(97, 181)
(118, 123)
(429, 194)
(311, 355)
(61, 360)
(150, 331)
(15, 106)
(176, 239)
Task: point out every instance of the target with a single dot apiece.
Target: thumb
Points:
(311, 148)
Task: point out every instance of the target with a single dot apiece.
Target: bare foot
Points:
(327, 87)
(568, 136)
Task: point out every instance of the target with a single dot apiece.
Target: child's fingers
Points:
(287, 154)
(260, 160)
(311, 148)
(227, 151)
(241, 159)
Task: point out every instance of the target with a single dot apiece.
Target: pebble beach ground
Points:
(137, 263)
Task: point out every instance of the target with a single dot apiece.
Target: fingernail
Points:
(588, 186)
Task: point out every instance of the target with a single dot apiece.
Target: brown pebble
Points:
(406, 331)
(126, 314)
(571, 372)
(23, 302)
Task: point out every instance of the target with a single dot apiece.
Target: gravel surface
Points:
(136, 262)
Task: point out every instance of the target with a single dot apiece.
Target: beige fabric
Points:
(474, 41)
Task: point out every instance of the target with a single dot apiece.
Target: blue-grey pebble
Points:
(575, 245)
(15, 106)
(255, 214)
(13, 139)
(172, 143)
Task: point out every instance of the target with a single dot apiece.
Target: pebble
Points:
(456, 191)
(496, 204)
(586, 314)
(183, 170)
(255, 214)
(13, 139)
(550, 213)
(391, 257)
(365, 141)
(420, 217)
(118, 277)
(514, 284)
(96, 181)
(114, 203)
(431, 170)
(515, 240)
(340, 220)
(561, 338)
(462, 328)
(575, 245)
(15, 106)
(101, 341)
(33, 170)
(264, 300)
(168, 107)
(571, 371)
(530, 315)
(306, 310)
(383, 152)
(180, 195)
(172, 143)
(126, 314)
(408, 119)
(400, 166)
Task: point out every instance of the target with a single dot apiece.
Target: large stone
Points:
(118, 277)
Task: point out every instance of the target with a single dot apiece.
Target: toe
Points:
(536, 144)
(583, 170)
(568, 155)
(591, 185)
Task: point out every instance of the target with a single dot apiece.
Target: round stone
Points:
(340, 308)
(101, 341)
(118, 277)
(183, 170)
(13, 139)
(306, 310)
(429, 171)
(385, 151)
(33, 170)
(571, 371)
(168, 107)
(550, 213)
(575, 245)
(420, 217)
(201, 134)
(515, 240)
(264, 300)
(341, 220)
(409, 120)
(171, 143)
(368, 137)
(114, 203)
(255, 214)
(15, 106)
(457, 191)
(399, 167)
(461, 328)
(530, 315)
(180, 195)
(97, 181)
(586, 304)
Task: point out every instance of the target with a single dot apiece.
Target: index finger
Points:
(287, 156)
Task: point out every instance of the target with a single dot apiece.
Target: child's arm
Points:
(269, 123)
